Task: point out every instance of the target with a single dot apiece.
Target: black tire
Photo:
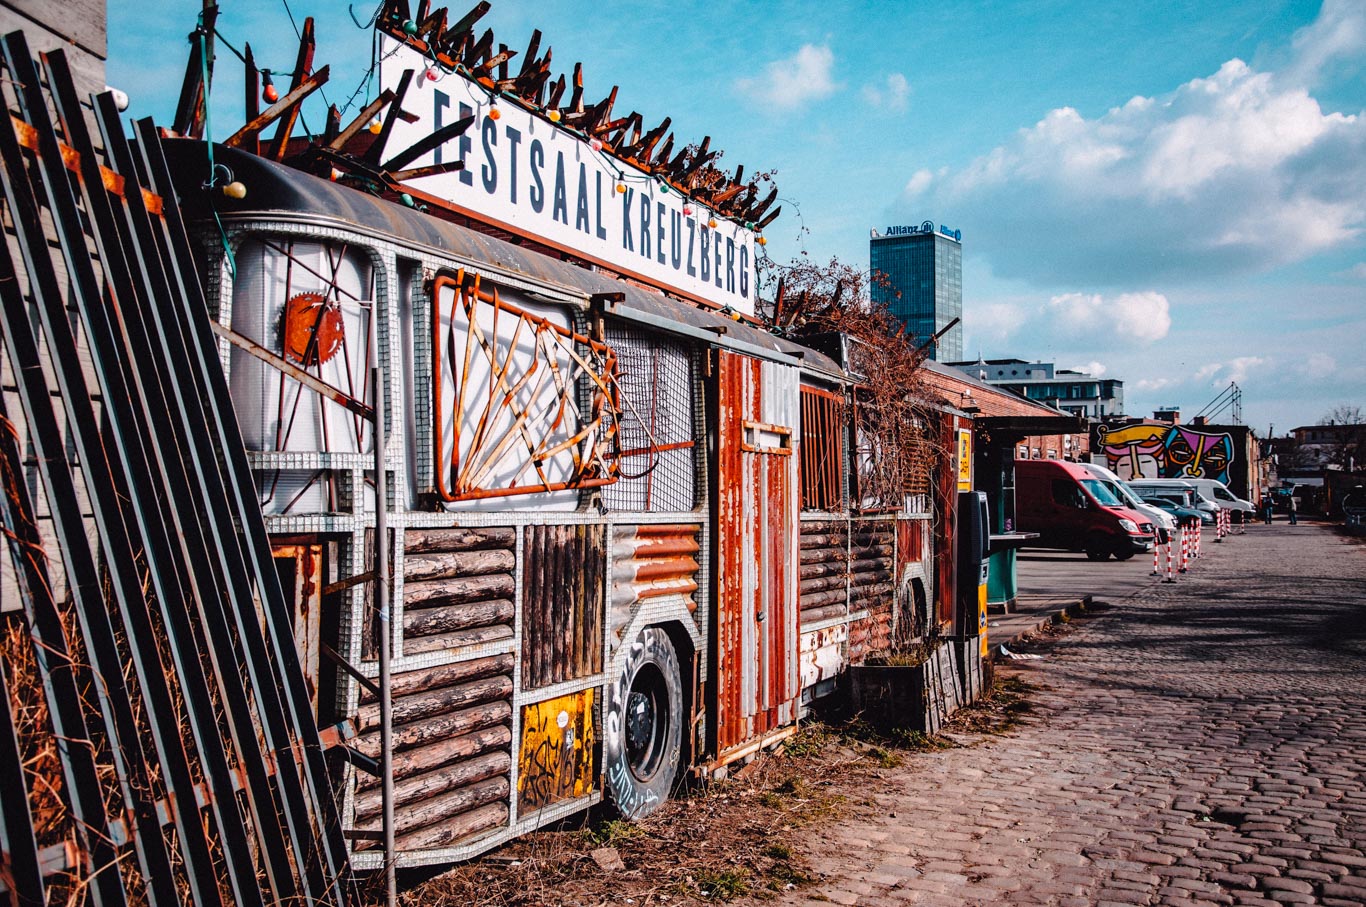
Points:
(643, 730)
(1097, 548)
(1124, 554)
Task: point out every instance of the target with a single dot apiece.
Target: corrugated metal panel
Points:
(562, 603)
(651, 562)
(756, 643)
(824, 570)
(452, 753)
(822, 654)
(458, 587)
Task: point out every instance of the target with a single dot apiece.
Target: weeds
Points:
(723, 885)
(611, 833)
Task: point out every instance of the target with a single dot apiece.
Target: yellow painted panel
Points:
(556, 757)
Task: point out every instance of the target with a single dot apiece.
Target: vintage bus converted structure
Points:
(625, 539)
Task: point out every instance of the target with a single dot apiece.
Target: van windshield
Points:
(1123, 493)
(1101, 492)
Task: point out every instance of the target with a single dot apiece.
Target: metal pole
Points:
(386, 640)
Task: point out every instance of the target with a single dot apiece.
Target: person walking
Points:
(1267, 506)
(1290, 507)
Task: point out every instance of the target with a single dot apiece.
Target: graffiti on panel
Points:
(1157, 450)
(556, 758)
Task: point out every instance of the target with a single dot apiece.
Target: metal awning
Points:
(1002, 427)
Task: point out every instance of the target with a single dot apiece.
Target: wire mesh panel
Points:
(656, 444)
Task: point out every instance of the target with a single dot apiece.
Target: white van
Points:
(1208, 489)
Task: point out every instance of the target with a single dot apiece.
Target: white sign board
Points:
(537, 179)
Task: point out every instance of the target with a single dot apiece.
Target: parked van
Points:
(1072, 509)
(1164, 521)
(1215, 492)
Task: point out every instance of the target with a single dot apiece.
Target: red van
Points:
(1072, 509)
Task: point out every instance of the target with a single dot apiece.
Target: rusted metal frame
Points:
(28, 138)
(780, 430)
(336, 395)
(109, 493)
(235, 494)
(182, 446)
(184, 544)
(148, 444)
(56, 668)
(108, 490)
(22, 864)
(336, 658)
(654, 448)
(289, 102)
(251, 84)
(466, 294)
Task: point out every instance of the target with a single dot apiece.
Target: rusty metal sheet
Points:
(555, 761)
(823, 654)
(756, 621)
(823, 423)
(563, 573)
(652, 561)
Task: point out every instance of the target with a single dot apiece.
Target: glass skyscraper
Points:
(918, 273)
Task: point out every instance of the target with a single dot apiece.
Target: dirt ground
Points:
(719, 842)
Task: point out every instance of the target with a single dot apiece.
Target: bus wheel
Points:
(643, 733)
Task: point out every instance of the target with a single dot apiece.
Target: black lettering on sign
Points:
(627, 241)
(644, 225)
(601, 229)
(537, 187)
(676, 235)
(490, 169)
(744, 271)
(692, 245)
(514, 139)
(581, 209)
(466, 144)
(560, 209)
(440, 101)
(660, 211)
(730, 265)
(716, 251)
(706, 253)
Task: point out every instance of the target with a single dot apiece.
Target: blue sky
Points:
(1173, 194)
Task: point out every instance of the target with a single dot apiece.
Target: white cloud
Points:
(1339, 32)
(993, 323)
(1153, 384)
(1230, 174)
(1318, 365)
(1129, 317)
(791, 82)
(1357, 270)
(1236, 370)
(921, 179)
(893, 94)
(1093, 368)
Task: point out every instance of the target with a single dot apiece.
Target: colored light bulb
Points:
(595, 144)
(554, 116)
(235, 189)
(431, 73)
(375, 126)
(409, 27)
(494, 112)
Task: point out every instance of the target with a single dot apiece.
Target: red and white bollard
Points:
(1185, 549)
(1199, 532)
(1157, 558)
(1171, 556)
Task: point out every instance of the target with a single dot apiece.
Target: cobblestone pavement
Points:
(1198, 743)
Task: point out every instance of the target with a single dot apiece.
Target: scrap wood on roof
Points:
(357, 153)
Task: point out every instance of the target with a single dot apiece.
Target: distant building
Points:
(918, 274)
(1066, 389)
(1329, 446)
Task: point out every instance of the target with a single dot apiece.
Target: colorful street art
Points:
(1157, 450)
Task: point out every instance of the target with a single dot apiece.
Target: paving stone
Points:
(1179, 752)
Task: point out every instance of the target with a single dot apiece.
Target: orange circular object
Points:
(313, 328)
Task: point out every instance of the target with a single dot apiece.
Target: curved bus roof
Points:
(275, 191)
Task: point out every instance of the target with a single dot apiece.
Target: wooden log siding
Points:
(458, 586)
(563, 574)
(872, 571)
(823, 572)
(452, 752)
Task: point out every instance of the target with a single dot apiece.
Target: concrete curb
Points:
(1048, 618)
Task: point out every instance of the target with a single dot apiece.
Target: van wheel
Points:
(1097, 548)
(1124, 555)
(643, 734)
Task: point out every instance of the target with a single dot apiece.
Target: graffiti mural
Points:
(556, 759)
(1157, 450)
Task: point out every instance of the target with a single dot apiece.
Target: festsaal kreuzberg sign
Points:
(537, 179)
